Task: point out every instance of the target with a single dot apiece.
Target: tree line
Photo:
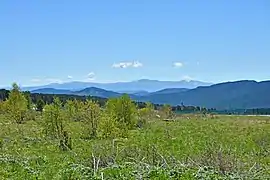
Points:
(41, 99)
(101, 119)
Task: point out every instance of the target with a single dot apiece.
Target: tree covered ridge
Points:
(48, 99)
(41, 99)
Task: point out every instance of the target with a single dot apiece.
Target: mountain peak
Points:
(138, 85)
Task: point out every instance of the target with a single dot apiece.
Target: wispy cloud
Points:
(70, 77)
(178, 64)
(134, 64)
(91, 76)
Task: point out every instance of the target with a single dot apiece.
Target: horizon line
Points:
(113, 82)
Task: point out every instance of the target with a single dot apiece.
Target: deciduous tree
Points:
(16, 104)
(123, 112)
(92, 116)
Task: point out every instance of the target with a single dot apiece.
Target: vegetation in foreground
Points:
(80, 140)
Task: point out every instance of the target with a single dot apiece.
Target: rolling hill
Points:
(52, 91)
(93, 91)
(168, 91)
(230, 95)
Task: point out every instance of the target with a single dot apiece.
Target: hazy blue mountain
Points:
(230, 95)
(52, 91)
(90, 91)
(169, 91)
(135, 86)
(72, 86)
(93, 91)
(137, 93)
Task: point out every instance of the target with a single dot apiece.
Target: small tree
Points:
(108, 127)
(54, 123)
(124, 113)
(27, 96)
(91, 117)
(40, 105)
(74, 110)
(16, 104)
(70, 109)
(53, 119)
(145, 114)
(166, 111)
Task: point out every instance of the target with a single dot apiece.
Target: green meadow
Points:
(190, 147)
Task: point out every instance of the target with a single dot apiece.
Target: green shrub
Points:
(54, 124)
(74, 110)
(166, 111)
(122, 111)
(91, 118)
(53, 119)
(145, 115)
(16, 105)
(108, 127)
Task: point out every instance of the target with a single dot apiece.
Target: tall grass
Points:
(192, 147)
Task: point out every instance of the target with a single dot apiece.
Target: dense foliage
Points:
(80, 139)
(17, 105)
(41, 99)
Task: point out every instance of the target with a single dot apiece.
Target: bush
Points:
(40, 105)
(74, 110)
(145, 115)
(91, 118)
(122, 111)
(108, 127)
(2, 107)
(16, 105)
(53, 119)
(166, 111)
(54, 125)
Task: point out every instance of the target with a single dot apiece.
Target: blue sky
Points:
(107, 41)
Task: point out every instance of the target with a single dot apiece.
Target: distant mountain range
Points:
(143, 85)
(230, 95)
(52, 91)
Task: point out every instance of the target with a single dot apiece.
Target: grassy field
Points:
(224, 147)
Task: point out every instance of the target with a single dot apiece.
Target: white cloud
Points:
(134, 64)
(70, 77)
(91, 76)
(137, 64)
(178, 64)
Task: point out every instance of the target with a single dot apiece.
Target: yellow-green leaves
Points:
(16, 104)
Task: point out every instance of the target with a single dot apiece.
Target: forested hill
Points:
(48, 98)
(230, 95)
